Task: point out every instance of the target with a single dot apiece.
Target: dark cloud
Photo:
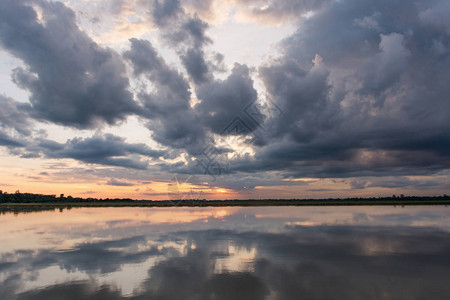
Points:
(358, 184)
(196, 65)
(144, 58)
(172, 90)
(362, 95)
(361, 88)
(180, 125)
(171, 118)
(196, 30)
(352, 92)
(186, 34)
(164, 11)
(402, 182)
(73, 291)
(73, 81)
(14, 124)
(8, 141)
(224, 100)
(13, 116)
(116, 182)
(303, 96)
(101, 149)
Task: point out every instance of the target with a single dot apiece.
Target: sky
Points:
(234, 99)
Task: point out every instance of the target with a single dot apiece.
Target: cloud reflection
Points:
(302, 262)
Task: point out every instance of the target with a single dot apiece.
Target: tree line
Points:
(24, 198)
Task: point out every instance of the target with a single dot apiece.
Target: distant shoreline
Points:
(65, 203)
(221, 204)
(28, 200)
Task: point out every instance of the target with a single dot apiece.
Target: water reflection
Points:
(227, 253)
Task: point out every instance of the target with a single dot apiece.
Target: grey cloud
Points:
(184, 30)
(14, 124)
(187, 34)
(172, 90)
(384, 69)
(51, 145)
(29, 155)
(116, 182)
(402, 182)
(363, 95)
(346, 163)
(358, 184)
(144, 57)
(363, 88)
(164, 11)
(359, 100)
(107, 150)
(72, 291)
(224, 100)
(437, 15)
(196, 65)
(196, 30)
(246, 182)
(73, 81)
(87, 173)
(182, 130)
(6, 140)
(303, 96)
(221, 110)
(13, 116)
(171, 118)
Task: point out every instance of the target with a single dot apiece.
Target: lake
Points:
(364, 252)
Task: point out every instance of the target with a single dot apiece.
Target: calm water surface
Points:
(227, 253)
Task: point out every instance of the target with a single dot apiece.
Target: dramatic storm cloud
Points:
(105, 150)
(73, 81)
(364, 93)
(348, 92)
